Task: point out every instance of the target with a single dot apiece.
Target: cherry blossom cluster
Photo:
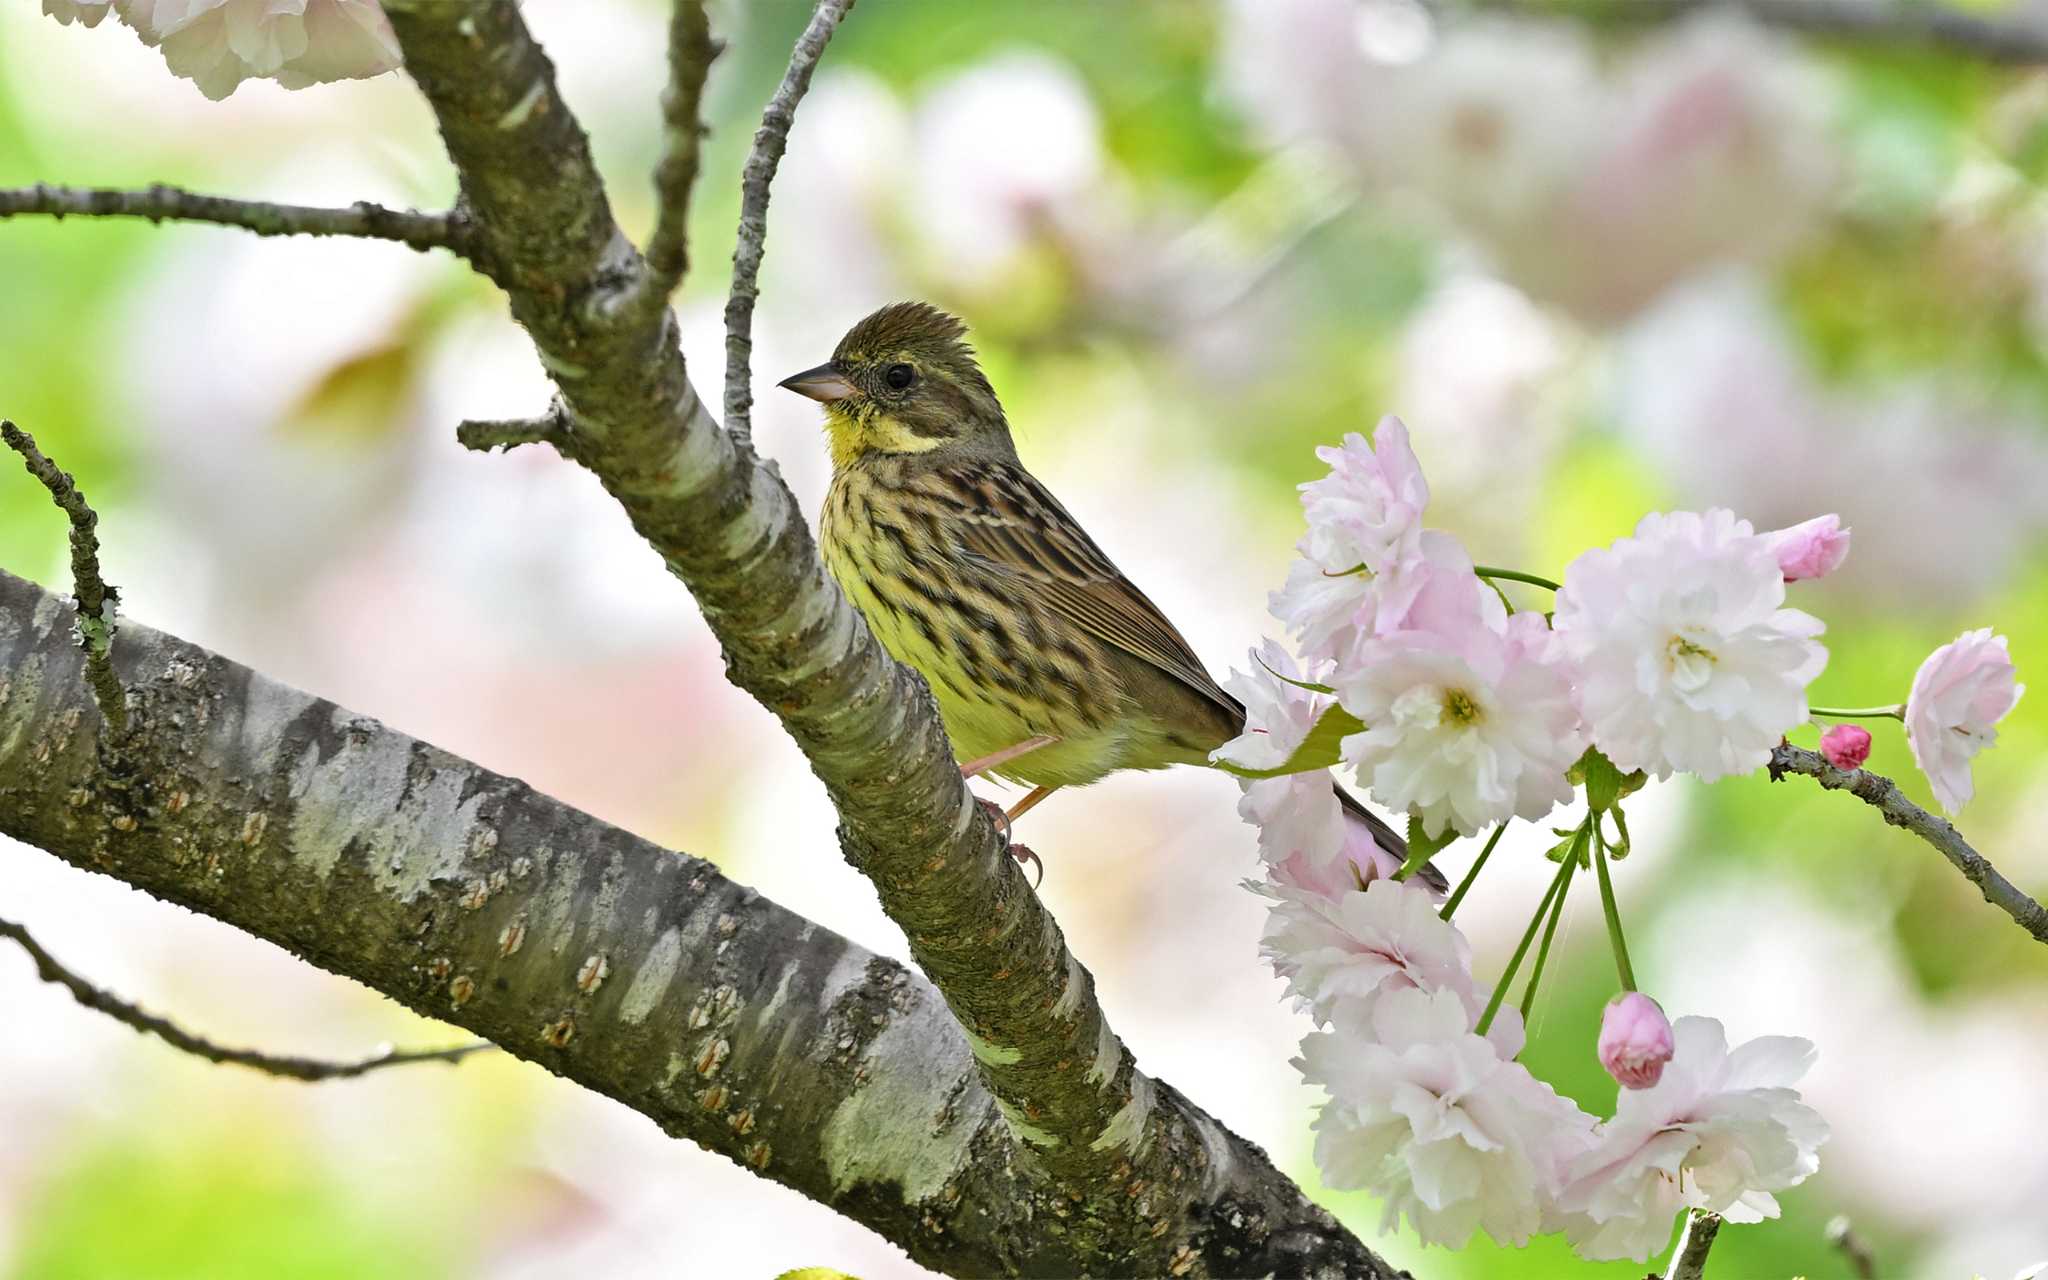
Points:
(217, 44)
(1670, 651)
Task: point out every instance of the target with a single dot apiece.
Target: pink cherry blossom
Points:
(1341, 955)
(1454, 1136)
(1688, 661)
(1300, 823)
(1464, 729)
(1635, 1040)
(1720, 1131)
(1811, 549)
(1360, 859)
(1362, 557)
(217, 44)
(1846, 746)
(1959, 694)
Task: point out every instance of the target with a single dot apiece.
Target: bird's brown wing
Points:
(1010, 523)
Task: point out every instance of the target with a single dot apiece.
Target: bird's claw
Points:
(999, 817)
(1022, 853)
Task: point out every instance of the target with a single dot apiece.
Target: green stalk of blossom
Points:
(1490, 573)
(1549, 931)
(1500, 989)
(1458, 895)
(1896, 711)
(1614, 936)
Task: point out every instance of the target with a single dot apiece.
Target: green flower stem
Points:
(1458, 895)
(1488, 572)
(1549, 931)
(1620, 944)
(1500, 989)
(1896, 711)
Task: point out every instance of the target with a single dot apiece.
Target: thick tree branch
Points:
(310, 1069)
(690, 51)
(1884, 795)
(96, 600)
(770, 140)
(639, 973)
(1993, 38)
(159, 203)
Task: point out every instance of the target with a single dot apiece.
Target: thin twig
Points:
(1689, 1260)
(96, 600)
(1883, 794)
(690, 51)
(485, 434)
(769, 142)
(1843, 1236)
(2011, 41)
(49, 970)
(422, 231)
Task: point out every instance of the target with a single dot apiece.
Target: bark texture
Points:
(639, 973)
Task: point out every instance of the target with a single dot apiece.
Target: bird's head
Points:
(902, 381)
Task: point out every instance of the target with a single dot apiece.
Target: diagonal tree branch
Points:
(1884, 795)
(639, 973)
(1101, 1136)
(422, 231)
(292, 1068)
(2009, 40)
(770, 140)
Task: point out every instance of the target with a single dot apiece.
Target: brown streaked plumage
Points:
(972, 573)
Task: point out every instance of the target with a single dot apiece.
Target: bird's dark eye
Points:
(899, 376)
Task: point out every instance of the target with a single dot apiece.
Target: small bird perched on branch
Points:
(1049, 667)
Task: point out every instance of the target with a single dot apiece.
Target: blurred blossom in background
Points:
(1597, 273)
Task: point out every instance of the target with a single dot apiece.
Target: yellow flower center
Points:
(1691, 665)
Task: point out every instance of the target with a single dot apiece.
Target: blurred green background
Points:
(1598, 272)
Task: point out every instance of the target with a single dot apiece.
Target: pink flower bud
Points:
(1846, 746)
(1635, 1040)
(1813, 549)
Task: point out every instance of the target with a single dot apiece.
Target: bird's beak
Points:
(825, 384)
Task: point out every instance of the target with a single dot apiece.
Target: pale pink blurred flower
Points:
(86, 13)
(1712, 379)
(1716, 147)
(1005, 149)
(1811, 549)
(1846, 746)
(1432, 1118)
(1720, 1131)
(1688, 661)
(1635, 1040)
(217, 44)
(1959, 695)
(1465, 727)
(1593, 185)
(1341, 955)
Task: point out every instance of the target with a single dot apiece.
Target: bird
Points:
(1049, 667)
